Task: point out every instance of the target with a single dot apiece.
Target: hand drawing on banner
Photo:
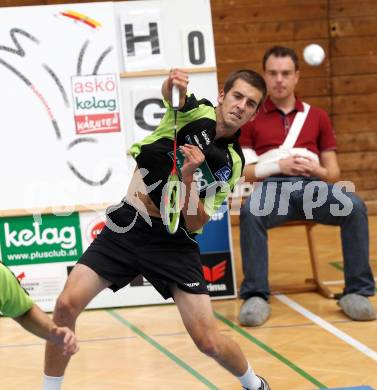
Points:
(88, 139)
(19, 51)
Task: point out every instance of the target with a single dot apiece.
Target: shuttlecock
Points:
(314, 54)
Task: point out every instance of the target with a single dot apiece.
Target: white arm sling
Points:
(268, 162)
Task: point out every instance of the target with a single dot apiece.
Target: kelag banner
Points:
(42, 251)
(52, 239)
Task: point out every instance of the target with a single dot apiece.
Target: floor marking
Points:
(268, 349)
(327, 326)
(162, 349)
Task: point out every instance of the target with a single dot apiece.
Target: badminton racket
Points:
(172, 194)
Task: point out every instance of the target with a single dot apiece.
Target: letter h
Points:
(152, 37)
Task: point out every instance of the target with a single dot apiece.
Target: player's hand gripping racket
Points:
(172, 195)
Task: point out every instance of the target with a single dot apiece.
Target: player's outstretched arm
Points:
(41, 325)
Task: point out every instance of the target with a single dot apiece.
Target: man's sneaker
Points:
(264, 385)
(357, 307)
(254, 312)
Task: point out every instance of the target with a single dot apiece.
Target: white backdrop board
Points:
(57, 64)
(143, 107)
(156, 36)
(166, 33)
(63, 143)
(68, 121)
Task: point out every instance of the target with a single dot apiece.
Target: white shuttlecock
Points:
(314, 54)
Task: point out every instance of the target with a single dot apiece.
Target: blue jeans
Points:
(283, 198)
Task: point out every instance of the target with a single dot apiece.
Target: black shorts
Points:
(134, 247)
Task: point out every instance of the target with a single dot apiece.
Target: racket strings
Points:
(172, 195)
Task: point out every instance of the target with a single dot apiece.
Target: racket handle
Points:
(175, 97)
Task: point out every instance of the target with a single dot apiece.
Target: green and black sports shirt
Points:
(14, 301)
(196, 125)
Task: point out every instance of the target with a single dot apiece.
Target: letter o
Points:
(197, 57)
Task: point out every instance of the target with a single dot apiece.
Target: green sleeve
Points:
(14, 301)
(215, 197)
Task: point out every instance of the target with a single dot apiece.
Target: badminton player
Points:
(135, 240)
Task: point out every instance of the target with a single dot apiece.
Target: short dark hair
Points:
(249, 76)
(280, 51)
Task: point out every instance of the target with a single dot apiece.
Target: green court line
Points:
(162, 349)
(269, 350)
(338, 265)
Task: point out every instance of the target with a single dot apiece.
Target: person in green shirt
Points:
(16, 303)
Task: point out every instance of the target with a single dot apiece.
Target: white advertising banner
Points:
(142, 40)
(148, 111)
(69, 117)
(44, 48)
(198, 46)
(42, 254)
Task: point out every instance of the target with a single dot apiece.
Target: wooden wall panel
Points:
(357, 142)
(362, 180)
(226, 4)
(355, 103)
(227, 33)
(71, 1)
(19, 3)
(354, 46)
(354, 84)
(249, 12)
(352, 8)
(355, 123)
(323, 102)
(353, 28)
(354, 65)
(369, 196)
(358, 161)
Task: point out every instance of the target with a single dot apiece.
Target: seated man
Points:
(16, 303)
(290, 149)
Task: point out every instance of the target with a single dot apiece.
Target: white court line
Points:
(330, 282)
(327, 326)
(340, 281)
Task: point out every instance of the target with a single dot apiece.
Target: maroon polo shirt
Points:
(270, 127)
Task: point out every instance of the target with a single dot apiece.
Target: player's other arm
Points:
(41, 325)
(193, 209)
(16, 303)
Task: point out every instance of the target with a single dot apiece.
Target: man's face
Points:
(281, 77)
(239, 104)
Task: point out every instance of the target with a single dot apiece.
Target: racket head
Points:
(171, 209)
